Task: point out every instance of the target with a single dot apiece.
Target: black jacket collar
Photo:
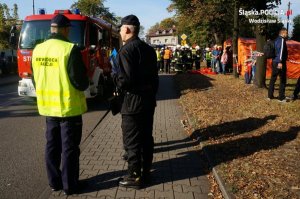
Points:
(58, 36)
(132, 39)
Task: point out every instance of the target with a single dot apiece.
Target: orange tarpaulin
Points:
(244, 52)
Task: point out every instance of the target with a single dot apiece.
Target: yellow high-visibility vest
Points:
(56, 96)
(158, 55)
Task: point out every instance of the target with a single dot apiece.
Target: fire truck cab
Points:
(94, 36)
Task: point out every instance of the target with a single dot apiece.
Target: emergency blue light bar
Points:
(77, 11)
(42, 11)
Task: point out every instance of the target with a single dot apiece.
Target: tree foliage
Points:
(166, 23)
(296, 28)
(214, 18)
(211, 21)
(6, 21)
(94, 8)
(153, 28)
(205, 22)
(15, 12)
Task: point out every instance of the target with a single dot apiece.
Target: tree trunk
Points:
(261, 64)
(235, 38)
(218, 38)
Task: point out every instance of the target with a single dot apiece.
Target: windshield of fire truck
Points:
(35, 32)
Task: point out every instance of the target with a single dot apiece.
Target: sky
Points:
(148, 11)
(295, 7)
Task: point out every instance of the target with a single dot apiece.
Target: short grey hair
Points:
(55, 29)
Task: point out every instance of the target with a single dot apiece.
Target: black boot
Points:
(133, 180)
(125, 156)
(146, 176)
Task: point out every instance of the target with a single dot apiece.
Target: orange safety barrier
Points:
(244, 52)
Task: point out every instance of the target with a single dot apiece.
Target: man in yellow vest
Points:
(159, 59)
(60, 79)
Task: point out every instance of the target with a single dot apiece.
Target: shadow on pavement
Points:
(97, 104)
(166, 88)
(229, 129)
(168, 84)
(224, 152)
(200, 82)
(193, 164)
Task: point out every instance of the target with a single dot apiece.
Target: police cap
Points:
(60, 20)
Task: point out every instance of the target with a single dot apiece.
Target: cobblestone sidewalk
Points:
(177, 169)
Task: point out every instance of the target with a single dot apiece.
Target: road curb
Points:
(226, 194)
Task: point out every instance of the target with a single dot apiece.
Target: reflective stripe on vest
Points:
(208, 56)
(193, 51)
(56, 96)
(158, 55)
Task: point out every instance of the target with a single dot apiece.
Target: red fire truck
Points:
(94, 36)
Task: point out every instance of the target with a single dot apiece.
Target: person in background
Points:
(138, 80)
(159, 59)
(254, 56)
(173, 59)
(224, 60)
(167, 60)
(189, 63)
(60, 78)
(215, 58)
(218, 65)
(296, 91)
(279, 66)
(248, 71)
(3, 63)
(177, 58)
(198, 57)
(208, 57)
(162, 53)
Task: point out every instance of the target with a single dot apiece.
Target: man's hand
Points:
(279, 66)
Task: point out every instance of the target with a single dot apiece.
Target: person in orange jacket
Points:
(167, 59)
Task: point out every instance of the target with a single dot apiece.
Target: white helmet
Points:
(197, 47)
(178, 46)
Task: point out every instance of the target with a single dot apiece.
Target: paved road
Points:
(22, 171)
(178, 170)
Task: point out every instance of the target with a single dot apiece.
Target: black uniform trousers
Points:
(63, 138)
(297, 88)
(197, 64)
(138, 141)
(167, 63)
(282, 75)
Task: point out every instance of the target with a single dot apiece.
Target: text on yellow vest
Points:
(56, 96)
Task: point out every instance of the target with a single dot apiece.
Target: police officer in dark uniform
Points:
(138, 80)
(60, 78)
